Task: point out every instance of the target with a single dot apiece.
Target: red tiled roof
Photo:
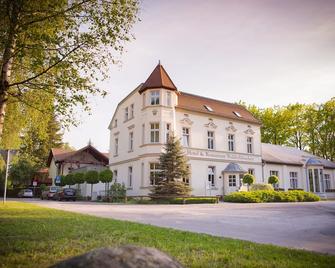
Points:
(196, 103)
(158, 79)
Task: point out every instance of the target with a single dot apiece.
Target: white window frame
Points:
(250, 148)
(211, 176)
(153, 173)
(231, 142)
(327, 181)
(154, 132)
(132, 107)
(126, 114)
(168, 98)
(232, 180)
(186, 136)
(167, 132)
(275, 173)
(130, 177)
(210, 140)
(251, 171)
(116, 146)
(131, 141)
(294, 180)
(155, 97)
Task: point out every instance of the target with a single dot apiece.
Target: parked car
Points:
(50, 192)
(25, 193)
(65, 194)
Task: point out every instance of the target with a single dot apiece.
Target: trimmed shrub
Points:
(194, 200)
(261, 186)
(271, 196)
(248, 179)
(273, 179)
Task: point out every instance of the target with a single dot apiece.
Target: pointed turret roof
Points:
(158, 79)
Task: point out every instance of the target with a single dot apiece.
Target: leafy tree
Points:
(106, 176)
(173, 167)
(22, 172)
(92, 177)
(57, 49)
(79, 178)
(273, 180)
(63, 181)
(248, 179)
(70, 179)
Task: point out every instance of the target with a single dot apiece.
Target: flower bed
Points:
(271, 196)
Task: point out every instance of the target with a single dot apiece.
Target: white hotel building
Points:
(222, 142)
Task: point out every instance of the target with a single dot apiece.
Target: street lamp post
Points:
(7, 155)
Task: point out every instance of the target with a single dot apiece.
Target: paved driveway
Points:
(309, 226)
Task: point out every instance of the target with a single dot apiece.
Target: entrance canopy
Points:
(234, 168)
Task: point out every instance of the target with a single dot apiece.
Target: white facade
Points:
(142, 121)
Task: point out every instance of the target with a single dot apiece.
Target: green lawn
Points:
(32, 236)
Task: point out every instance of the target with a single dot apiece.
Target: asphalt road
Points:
(309, 226)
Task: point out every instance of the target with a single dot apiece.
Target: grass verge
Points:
(33, 236)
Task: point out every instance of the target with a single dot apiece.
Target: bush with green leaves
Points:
(194, 200)
(261, 186)
(248, 179)
(273, 179)
(271, 196)
(117, 192)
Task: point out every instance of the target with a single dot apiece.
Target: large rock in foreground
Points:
(122, 257)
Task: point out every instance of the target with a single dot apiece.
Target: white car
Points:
(25, 193)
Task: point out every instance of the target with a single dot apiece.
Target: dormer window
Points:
(208, 108)
(237, 114)
(154, 97)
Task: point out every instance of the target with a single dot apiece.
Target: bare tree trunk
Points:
(7, 58)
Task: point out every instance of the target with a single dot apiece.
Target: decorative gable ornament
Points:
(231, 127)
(186, 121)
(249, 131)
(211, 125)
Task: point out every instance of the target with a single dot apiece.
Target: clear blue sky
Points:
(264, 52)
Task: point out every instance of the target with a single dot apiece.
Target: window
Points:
(237, 114)
(154, 97)
(316, 181)
(131, 141)
(115, 123)
(167, 134)
(115, 175)
(210, 140)
(231, 142)
(186, 137)
(251, 171)
(130, 176)
(143, 133)
(275, 173)
(208, 108)
(116, 146)
(249, 145)
(144, 100)
(154, 132)
(327, 182)
(294, 180)
(211, 176)
(126, 114)
(310, 178)
(132, 111)
(168, 98)
(232, 180)
(186, 180)
(154, 173)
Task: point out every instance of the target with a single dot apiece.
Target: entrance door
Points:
(233, 183)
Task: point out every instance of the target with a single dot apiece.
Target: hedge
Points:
(194, 200)
(261, 186)
(271, 196)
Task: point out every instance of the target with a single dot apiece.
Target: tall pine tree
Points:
(173, 168)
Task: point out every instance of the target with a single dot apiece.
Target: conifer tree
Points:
(173, 168)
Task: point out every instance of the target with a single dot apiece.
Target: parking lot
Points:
(309, 226)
